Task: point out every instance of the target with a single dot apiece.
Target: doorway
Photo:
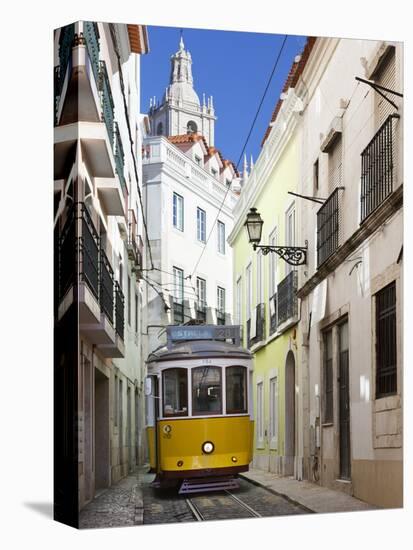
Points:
(344, 402)
(289, 413)
(102, 447)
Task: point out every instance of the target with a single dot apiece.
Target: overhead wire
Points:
(242, 152)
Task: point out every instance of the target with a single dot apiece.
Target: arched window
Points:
(191, 127)
(159, 129)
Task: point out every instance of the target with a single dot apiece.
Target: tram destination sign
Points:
(203, 332)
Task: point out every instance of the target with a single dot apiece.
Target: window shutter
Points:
(385, 76)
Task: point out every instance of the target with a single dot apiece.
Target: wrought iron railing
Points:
(106, 100)
(287, 298)
(377, 168)
(220, 317)
(119, 158)
(273, 313)
(178, 309)
(259, 324)
(201, 312)
(89, 252)
(248, 333)
(328, 227)
(67, 254)
(91, 35)
(106, 286)
(119, 311)
(66, 39)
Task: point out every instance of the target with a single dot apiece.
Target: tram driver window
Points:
(236, 383)
(175, 392)
(206, 390)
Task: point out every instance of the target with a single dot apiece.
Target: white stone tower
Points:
(180, 111)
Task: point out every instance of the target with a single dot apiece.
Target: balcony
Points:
(220, 317)
(273, 313)
(134, 244)
(66, 41)
(119, 159)
(257, 335)
(287, 301)
(178, 312)
(328, 227)
(377, 168)
(201, 312)
(106, 99)
(86, 276)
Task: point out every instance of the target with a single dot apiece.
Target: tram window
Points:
(206, 390)
(236, 382)
(175, 392)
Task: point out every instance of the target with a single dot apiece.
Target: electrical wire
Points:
(242, 151)
(125, 106)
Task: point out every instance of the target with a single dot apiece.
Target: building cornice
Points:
(281, 132)
(189, 174)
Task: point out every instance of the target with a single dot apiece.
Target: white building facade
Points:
(189, 196)
(352, 290)
(98, 228)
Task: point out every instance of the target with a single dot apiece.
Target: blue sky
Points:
(234, 68)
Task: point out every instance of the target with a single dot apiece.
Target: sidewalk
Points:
(314, 497)
(118, 506)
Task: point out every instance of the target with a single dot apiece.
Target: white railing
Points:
(159, 150)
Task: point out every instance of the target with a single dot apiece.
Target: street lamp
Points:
(293, 255)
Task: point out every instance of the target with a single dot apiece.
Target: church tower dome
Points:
(180, 111)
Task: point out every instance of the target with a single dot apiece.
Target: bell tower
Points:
(180, 111)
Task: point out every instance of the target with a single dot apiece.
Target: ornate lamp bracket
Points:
(293, 255)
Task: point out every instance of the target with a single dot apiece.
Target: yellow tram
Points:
(199, 407)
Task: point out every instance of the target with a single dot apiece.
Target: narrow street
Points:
(134, 502)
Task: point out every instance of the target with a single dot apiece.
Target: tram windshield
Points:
(236, 393)
(206, 390)
(175, 392)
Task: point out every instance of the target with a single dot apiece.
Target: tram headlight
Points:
(208, 447)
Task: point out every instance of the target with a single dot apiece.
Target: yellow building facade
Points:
(265, 301)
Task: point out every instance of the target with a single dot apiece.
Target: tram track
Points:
(207, 507)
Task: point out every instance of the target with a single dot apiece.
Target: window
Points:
(129, 300)
(274, 412)
(159, 129)
(260, 414)
(248, 291)
(221, 237)
(220, 305)
(385, 75)
(290, 232)
(315, 177)
(178, 295)
(238, 317)
(273, 264)
(201, 224)
(236, 392)
(214, 172)
(386, 343)
(328, 377)
(178, 212)
(175, 392)
(335, 170)
(191, 127)
(201, 299)
(198, 160)
(206, 390)
(260, 273)
(228, 182)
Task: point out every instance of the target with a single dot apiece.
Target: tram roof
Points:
(199, 348)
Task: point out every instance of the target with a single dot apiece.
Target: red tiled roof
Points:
(138, 38)
(292, 79)
(188, 138)
(194, 138)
